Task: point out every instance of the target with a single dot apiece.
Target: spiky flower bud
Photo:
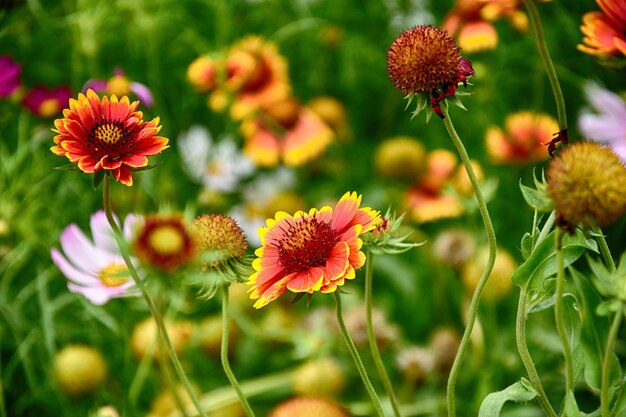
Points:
(219, 235)
(586, 183)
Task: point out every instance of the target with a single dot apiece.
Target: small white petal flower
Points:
(217, 166)
(95, 268)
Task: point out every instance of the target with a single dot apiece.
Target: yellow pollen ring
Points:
(114, 275)
(108, 133)
(166, 240)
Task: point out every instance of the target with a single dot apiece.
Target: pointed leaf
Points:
(520, 392)
(542, 263)
(98, 176)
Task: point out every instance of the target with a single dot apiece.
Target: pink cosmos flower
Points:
(9, 76)
(95, 268)
(45, 102)
(607, 122)
(120, 85)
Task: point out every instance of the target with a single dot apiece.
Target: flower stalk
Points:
(491, 237)
(607, 362)
(224, 353)
(357, 359)
(559, 314)
(150, 303)
(371, 336)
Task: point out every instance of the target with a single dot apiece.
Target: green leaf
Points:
(536, 198)
(68, 167)
(570, 406)
(526, 245)
(520, 392)
(98, 176)
(542, 263)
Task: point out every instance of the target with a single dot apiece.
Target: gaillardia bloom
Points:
(425, 61)
(524, 139)
(107, 134)
(605, 32)
(586, 183)
(9, 76)
(308, 252)
(164, 242)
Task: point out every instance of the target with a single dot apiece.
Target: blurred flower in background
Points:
(119, 85)
(524, 139)
(470, 21)
(95, 268)
(431, 198)
(10, 80)
(401, 157)
(308, 406)
(218, 166)
(605, 121)
(45, 102)
(605, 32)
(285, 132)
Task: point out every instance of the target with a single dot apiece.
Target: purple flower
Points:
(95, 268)
(45, 102)
(9, 76)
(121, 86)
(607, 123)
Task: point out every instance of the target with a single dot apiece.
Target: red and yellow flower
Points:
(523, 140)
(286, 132)
(605, 32)
(107, 134)
(309, 252)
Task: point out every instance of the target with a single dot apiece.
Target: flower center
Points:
(49, 107)
(114, 275)
(306, 244)
(109, 133)
(166, 240)
(119, 86)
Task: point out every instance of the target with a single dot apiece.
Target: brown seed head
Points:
(423, 59)
(586, 183)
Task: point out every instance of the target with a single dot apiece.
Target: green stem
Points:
(545, 231)
(224, 353)
(606, 365)
(559, 314)
(535, 22)
(520, 337)
(3, 410)
(357, 359)
(604, 249)
(371, 336)
(491, 237)
(151, 306)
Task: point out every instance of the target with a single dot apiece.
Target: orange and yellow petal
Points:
(309, 280)
(347, 214)
(477, 36)
(261, 145)
(424, 207)
(306, 140)
(602, 37)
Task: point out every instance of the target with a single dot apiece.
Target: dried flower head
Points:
(220, 235)
(426, 61)
(586, 183)
(164, 242)
(322, 376)
(79, 369)
(401, 157)
(144, 337)
(454, 247)
(499, 283)
(416, 363)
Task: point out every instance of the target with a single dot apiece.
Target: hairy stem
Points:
(357, 359)
(520, 337)
(371, 336)
(606, 364)
(491, 237)
(559, 314)
(151, 305)
(224, 353)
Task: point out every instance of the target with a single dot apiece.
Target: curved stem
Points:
(151, 306)
(545, 230)
(604, 249)
(491, 237)
(357, 359)
(371, 336)
(535, 22)
(224, 353)
(606, 365)
(520, 337)
(559, 315)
